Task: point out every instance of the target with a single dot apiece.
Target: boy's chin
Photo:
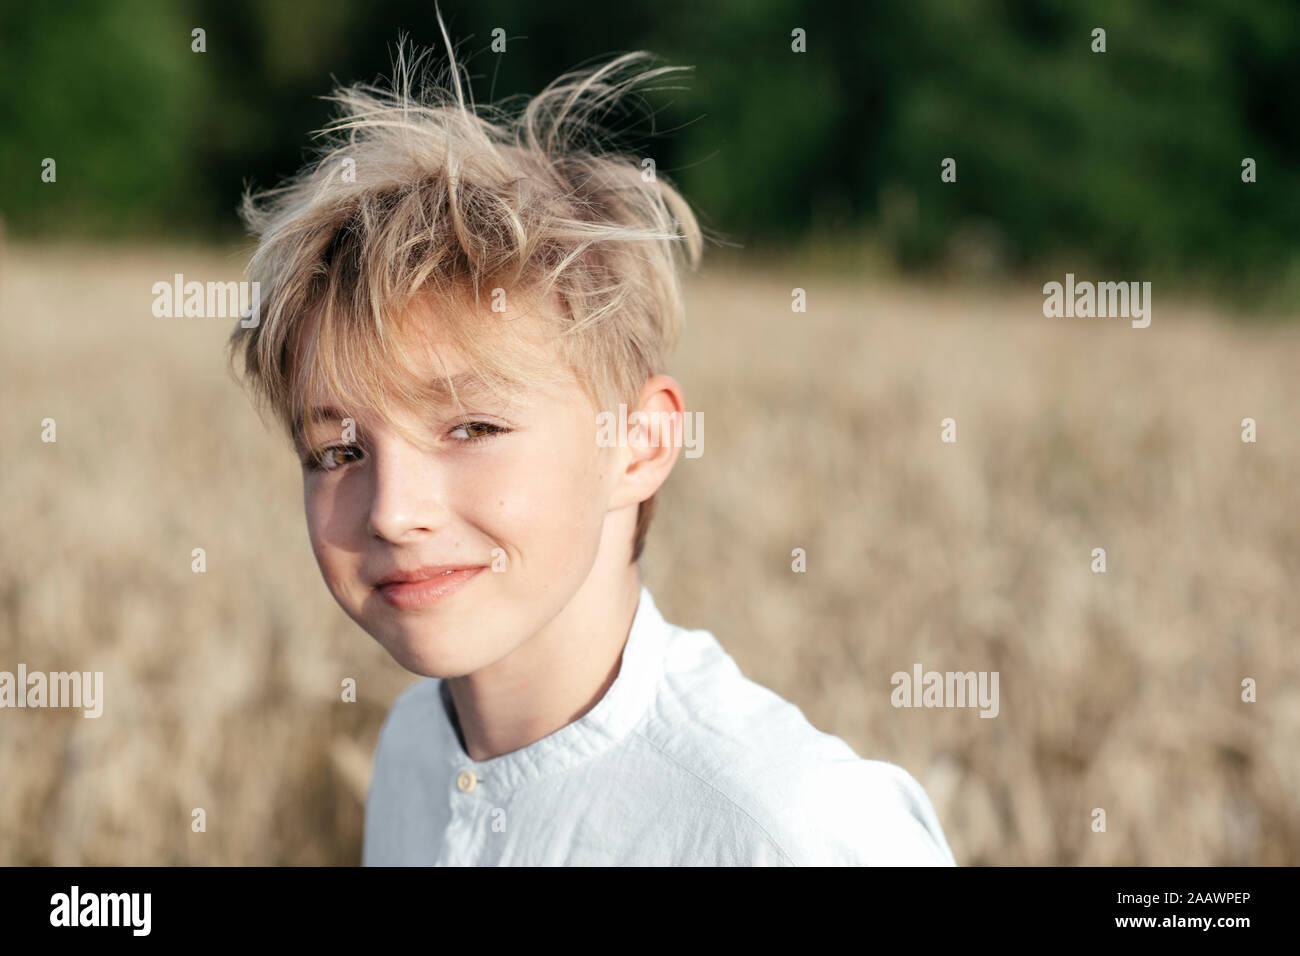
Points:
(428, 656)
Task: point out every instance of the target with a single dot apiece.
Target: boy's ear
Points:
(654, 438)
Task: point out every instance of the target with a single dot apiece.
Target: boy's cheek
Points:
(547, 505)
(336, 513)
(333, 572)
(332, 559)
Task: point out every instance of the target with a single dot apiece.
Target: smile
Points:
(413, 595)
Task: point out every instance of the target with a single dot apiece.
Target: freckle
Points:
(501, 504)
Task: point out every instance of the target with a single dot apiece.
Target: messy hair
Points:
(415, 198)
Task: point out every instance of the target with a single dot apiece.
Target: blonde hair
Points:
(445, 202)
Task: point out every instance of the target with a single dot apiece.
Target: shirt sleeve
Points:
(389, 835)
(377, 847)
(864, 813)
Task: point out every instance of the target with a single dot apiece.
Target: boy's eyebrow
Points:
(467, 384)
(314, 416)
(324, 414)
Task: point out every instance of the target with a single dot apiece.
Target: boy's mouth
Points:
(420, 587)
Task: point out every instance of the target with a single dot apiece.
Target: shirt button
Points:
(466, 781)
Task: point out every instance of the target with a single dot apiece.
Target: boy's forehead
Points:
(445, 375)
(443, 382)
(422, 329)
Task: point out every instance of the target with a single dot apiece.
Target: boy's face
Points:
(531, 498)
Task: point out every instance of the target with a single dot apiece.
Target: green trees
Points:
(1128, 159)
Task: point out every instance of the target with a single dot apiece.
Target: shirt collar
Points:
(597, 731)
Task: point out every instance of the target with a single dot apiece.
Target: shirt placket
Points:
(469, 808)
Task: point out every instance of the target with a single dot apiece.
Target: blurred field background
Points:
(1119, 691)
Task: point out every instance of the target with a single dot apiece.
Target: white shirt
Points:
(683, 762)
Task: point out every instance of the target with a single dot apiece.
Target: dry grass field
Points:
(1119, 691)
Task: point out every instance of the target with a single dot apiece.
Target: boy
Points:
(449, 299)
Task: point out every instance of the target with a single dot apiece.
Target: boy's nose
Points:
(403, 495)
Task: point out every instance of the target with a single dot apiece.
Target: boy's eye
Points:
(479, 431)
(334, 456)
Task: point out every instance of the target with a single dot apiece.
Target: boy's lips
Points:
(422, 573)
(420, 587)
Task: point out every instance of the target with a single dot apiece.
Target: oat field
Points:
(1120, 691)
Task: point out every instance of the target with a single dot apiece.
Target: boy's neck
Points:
(553, 678)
